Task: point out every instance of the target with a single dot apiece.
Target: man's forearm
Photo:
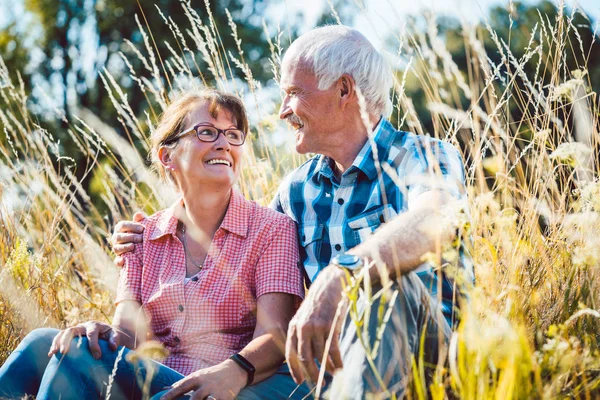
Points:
(399, 246)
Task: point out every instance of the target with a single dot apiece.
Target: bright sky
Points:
(383, 16)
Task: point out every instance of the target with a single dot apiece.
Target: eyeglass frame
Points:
(193, 129)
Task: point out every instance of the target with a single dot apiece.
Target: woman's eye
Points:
(205, 132)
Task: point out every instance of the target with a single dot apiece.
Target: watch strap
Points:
(246, 366)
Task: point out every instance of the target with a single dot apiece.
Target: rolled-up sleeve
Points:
(433, 165)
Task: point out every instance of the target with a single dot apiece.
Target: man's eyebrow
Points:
(287, 88)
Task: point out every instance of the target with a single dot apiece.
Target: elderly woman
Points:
(215, 280)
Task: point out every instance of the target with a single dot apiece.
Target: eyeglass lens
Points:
(207, 133)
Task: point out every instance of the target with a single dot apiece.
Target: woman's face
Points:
(197, 163)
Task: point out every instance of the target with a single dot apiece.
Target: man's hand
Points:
(125, 235)
(93, 331)
(222, 381)
(311, 327)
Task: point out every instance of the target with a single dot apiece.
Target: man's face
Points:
(313, 113)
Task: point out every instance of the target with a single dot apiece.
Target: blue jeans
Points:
(77, 375)
(280, 386)
(415, 314)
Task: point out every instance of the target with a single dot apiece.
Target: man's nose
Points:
(285, 110)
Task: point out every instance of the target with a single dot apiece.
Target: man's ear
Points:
(346, 89)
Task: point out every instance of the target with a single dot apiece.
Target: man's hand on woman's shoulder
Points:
(125, 235)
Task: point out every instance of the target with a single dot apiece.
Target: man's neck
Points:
(346, 154)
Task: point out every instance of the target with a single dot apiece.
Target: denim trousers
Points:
(77, 375)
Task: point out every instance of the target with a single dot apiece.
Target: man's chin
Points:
(301, 148)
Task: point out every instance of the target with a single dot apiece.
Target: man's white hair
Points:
(335, 50)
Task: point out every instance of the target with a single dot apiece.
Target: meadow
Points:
(532, 326)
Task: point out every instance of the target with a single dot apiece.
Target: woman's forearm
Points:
(130, 324)
(266, 353)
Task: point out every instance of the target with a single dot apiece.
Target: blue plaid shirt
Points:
(335, 215)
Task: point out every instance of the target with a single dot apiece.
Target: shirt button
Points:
(195, 279)
(340, 201)
(180, 308)
(176, 339)
(338, 247)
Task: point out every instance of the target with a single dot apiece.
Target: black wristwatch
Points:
(246, 366)
(349, 262)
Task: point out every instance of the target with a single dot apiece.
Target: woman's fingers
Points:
(113, 340)
(55, 344)
(67, 337)
(92, 332)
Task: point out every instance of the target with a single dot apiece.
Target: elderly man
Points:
(366, 174)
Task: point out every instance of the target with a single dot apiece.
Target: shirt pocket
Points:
(364, 224)
(311, 239)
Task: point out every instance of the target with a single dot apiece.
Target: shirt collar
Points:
(166, 223)
(235, 220)
(382, 136)
(236, 217)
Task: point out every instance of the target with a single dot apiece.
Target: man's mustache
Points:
(293, 119)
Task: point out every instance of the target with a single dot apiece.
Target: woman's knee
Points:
(39, 339)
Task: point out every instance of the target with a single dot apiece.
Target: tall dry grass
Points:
(531, 327)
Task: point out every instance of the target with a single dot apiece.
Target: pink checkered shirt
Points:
(213, 315)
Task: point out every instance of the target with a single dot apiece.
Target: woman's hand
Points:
(222, 381)
(93, 330)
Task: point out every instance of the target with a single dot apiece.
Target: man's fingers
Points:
(291, 355)
(119, 261)
(305, 353)
(334, 353)
(318, 347)
(138, 216)
(129, 227)
(127, 238)
(120, 249)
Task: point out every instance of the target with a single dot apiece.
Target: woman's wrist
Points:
(238, 373)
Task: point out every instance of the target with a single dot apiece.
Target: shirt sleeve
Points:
(432, 164)
(277, 269)
(130, 278)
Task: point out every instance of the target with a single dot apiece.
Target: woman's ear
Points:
(164, 155)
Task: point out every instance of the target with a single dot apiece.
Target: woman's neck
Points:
(202, 213)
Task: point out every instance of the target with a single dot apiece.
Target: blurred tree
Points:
(77, 39)
(515, 29)
(15, 54)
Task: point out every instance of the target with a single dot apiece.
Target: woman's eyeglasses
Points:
(208, 133)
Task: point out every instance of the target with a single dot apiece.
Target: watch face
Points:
(349, 261)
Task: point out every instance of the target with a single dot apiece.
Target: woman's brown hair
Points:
(174, 118)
